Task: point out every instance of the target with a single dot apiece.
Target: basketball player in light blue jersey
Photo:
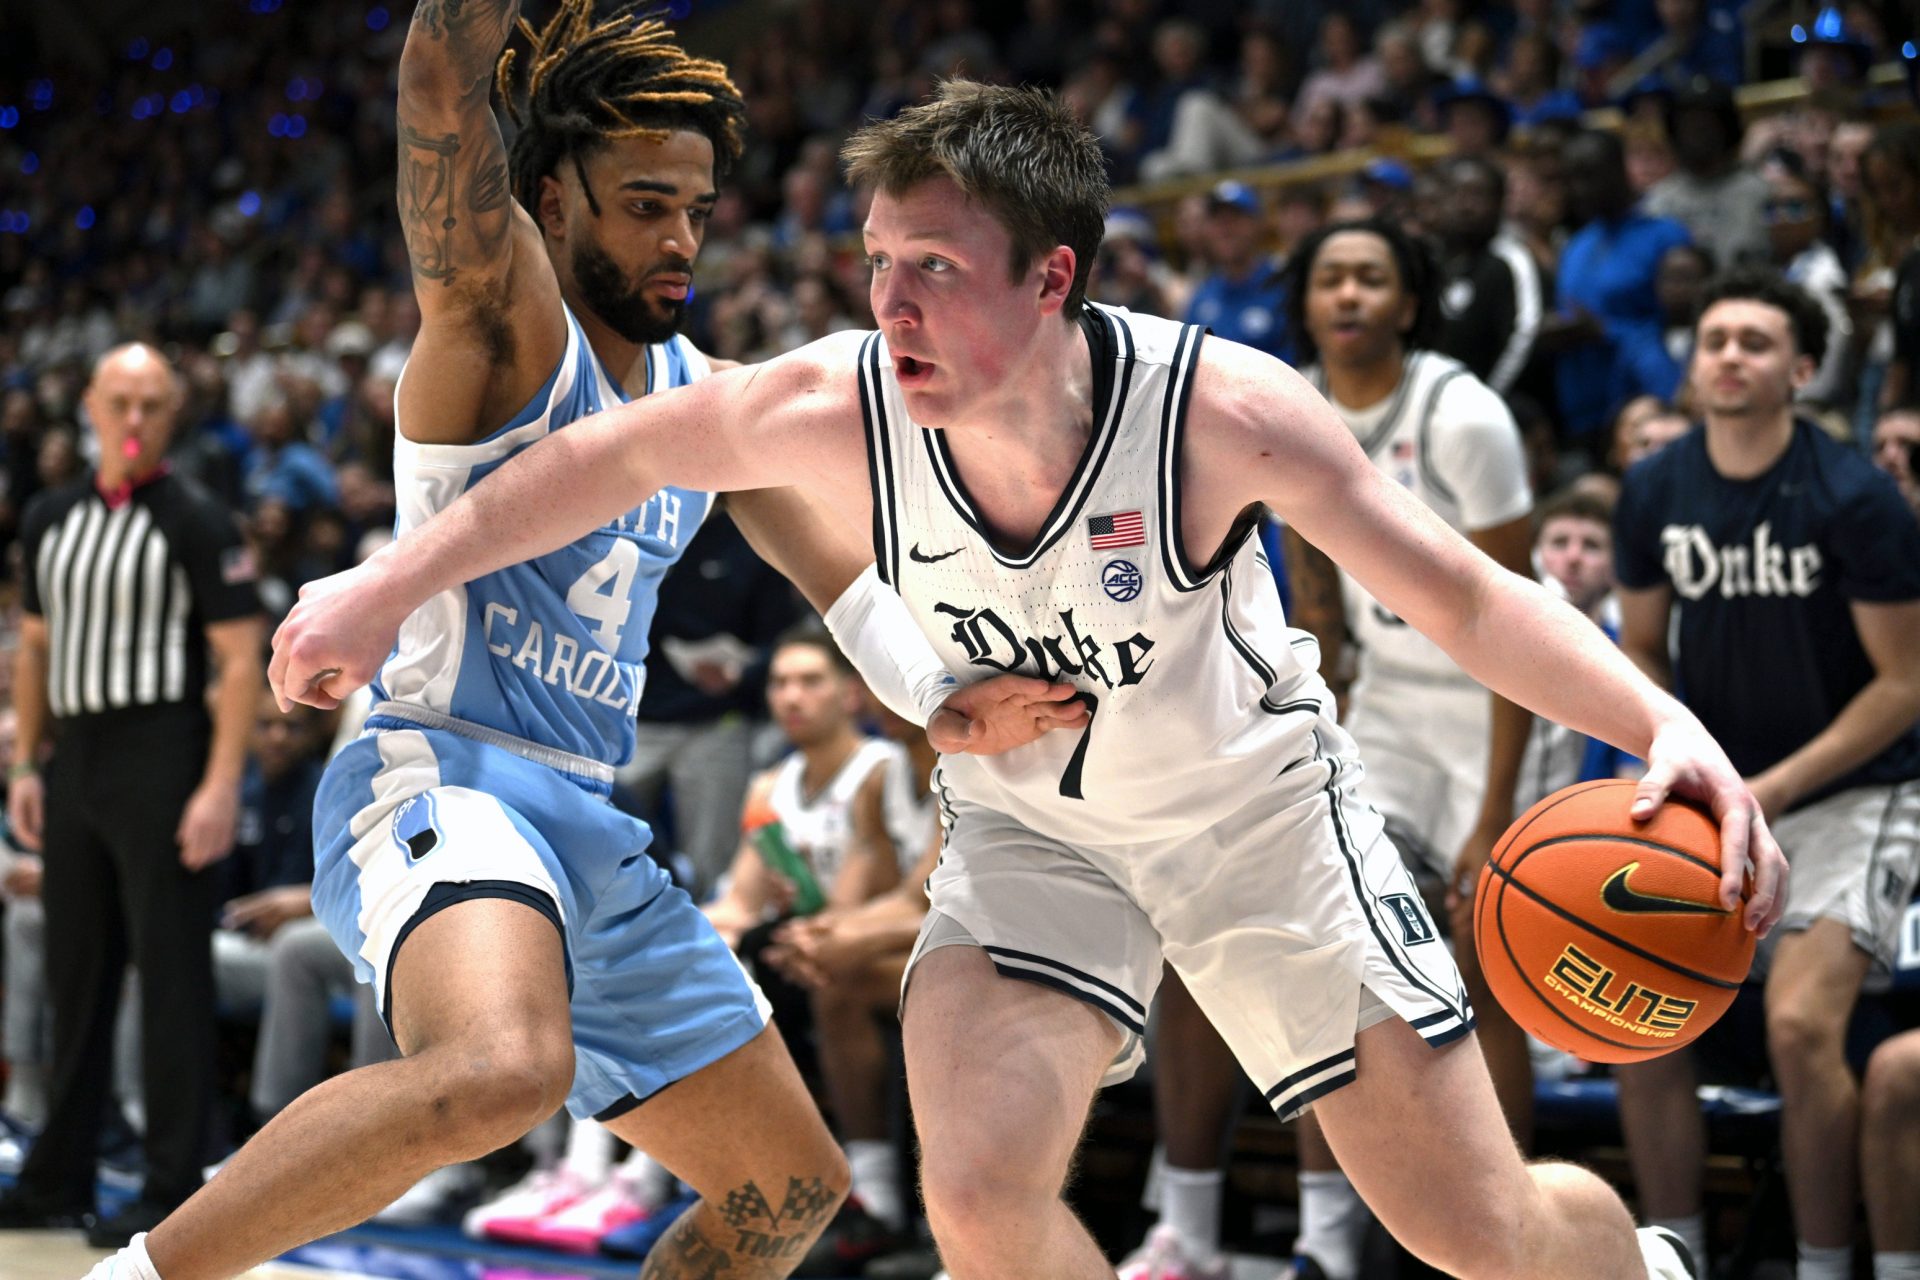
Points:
(1060, 486)
(524, 949)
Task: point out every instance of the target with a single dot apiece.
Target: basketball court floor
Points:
(373, 1254)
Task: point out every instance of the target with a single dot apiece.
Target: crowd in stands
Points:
(224, 189)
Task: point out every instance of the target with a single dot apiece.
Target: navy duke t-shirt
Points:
(1763, 573)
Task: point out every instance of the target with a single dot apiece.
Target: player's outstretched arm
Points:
(1258, 433)
(787, 421)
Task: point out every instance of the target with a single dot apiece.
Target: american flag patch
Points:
(237, 565)
(1119, 529)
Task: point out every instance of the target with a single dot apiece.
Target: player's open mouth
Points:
(911, 372)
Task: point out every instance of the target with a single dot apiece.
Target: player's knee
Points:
(1801, 1035)
(975, 1190)
(495, 1092)
(1891, 1092)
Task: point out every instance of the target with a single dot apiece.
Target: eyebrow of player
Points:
(665, 189)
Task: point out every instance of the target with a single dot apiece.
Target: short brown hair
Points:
(1018, 151)
(1573, 503)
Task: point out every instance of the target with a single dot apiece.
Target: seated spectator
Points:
(268, 878)
(1343, 73)
(1644, 427)
(1890, 183)
(1407, 90)
(826, 830)
(1243, 297)
(1772, 577)
(1128, 270)
(1530, 81)
(1188, 127)
(1474, 118)
(283, 466)
(1796, 212)
(1720, 201)
(1318, 127)
(1573, 554)
(1491, 291)
(1607, 330)
(1703, 40)
(1258, 92)
(815, 829)
(1677, 285)
(1896, 450)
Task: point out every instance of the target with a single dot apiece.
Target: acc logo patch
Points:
(1121, 580)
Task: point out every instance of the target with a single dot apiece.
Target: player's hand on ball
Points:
(1002, 713)
(1685, 760)
(334, 639)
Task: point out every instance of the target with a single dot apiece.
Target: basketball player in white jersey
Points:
(1057, 487)
(829, 796)
(837, 798)
(523, 948)
(1442, 755)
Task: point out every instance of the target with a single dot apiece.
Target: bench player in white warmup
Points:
(1059, 488)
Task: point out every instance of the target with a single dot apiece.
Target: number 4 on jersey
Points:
(603, 594)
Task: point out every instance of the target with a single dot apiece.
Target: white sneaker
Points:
(1666, 1255)
(1163, 1257)
(541, 1192)
(432, 1198)
(581, 1226)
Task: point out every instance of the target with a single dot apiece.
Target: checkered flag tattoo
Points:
(806, 1201)
(746, 1204)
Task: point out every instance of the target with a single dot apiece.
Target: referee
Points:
(132, 576)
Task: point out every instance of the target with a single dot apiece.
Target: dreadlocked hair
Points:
(589, 83)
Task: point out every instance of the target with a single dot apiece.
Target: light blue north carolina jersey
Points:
(549, 650)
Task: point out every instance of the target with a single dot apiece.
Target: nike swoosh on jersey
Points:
(920, 557)
(1616, 893)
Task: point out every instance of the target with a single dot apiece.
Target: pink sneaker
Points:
(1163, 1258)
(539, 1194)
(580, 1226)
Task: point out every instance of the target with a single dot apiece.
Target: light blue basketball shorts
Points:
(410, 820)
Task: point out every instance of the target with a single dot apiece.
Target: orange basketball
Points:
(1604, 936)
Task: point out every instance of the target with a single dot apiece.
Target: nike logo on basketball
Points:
(1616, 893)
(920, 557)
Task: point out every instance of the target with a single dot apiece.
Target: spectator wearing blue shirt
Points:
(1244, 298)
(1706, 40)
(1607, 332)
(1531, 82)
(285, 468)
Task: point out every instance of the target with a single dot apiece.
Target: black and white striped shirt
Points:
(128, 589)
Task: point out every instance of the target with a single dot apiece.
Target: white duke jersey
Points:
(1199, 691)
(1450, 440)
(819, 826)
(549, 650)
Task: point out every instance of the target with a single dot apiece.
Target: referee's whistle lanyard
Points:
(121, 494)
